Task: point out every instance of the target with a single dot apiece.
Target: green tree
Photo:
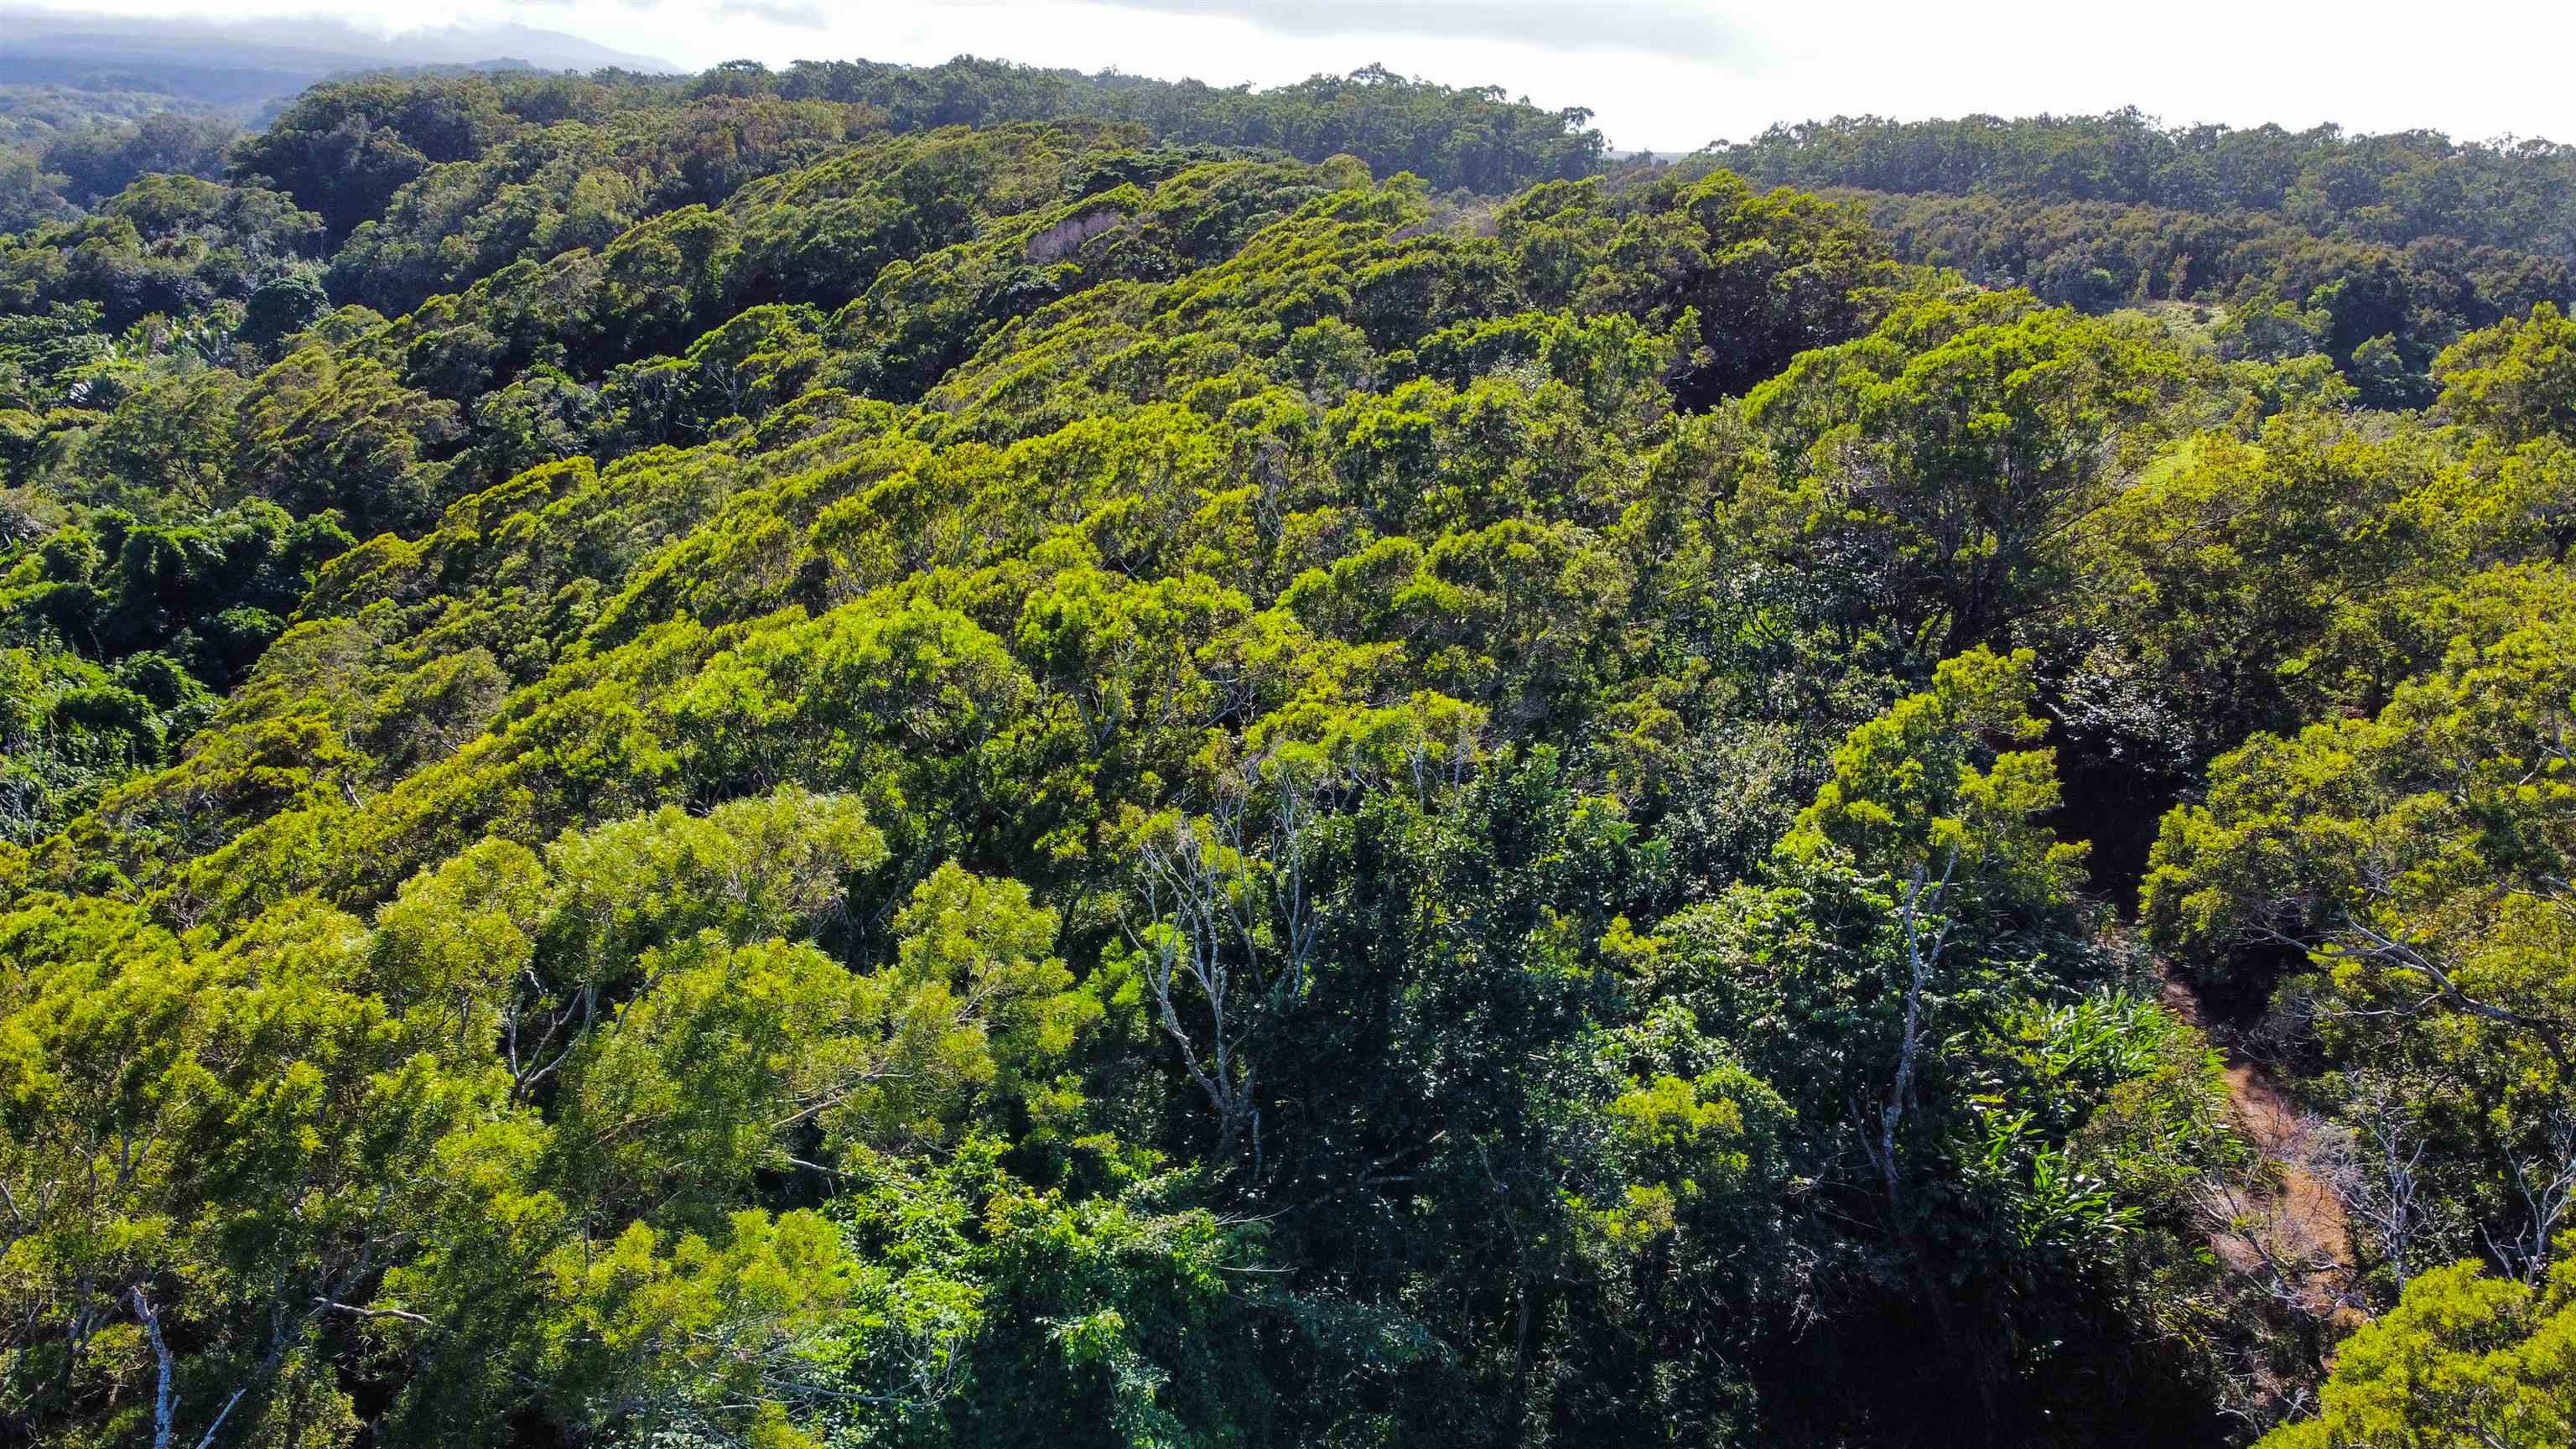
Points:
(2464, 1358)
(2516, 377)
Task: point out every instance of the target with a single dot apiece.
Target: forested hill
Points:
(68, 145)
(863, 756)
(88, 102)
(2314, 240)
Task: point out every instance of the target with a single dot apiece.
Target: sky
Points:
(1671, 75)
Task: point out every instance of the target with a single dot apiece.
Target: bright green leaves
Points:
(905, 693)
(535, 1046)
(2517, 377)
(1128, 660)
(232, 1135)
(2118, 1116)
(673, 1106)
(2261, 583)
(498, 952)
(731, 1060)
(1690, 1149)
(2421, 852)
(975, 980)
(789, 912)
(2402, 879)
(728, 1054)
(1941, 463)
(2464, 1359)
(1419, 747)
(446, 952)
(1931, 787)
(745, 1339)
(746, 870)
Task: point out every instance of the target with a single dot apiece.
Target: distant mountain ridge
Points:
(251, 61)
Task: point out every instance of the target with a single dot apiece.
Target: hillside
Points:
(970, 755)
(253, 61)
(88, 103)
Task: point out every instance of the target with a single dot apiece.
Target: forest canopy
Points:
(865, 755)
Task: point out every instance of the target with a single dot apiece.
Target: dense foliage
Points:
(2377, 251)
(870, 756)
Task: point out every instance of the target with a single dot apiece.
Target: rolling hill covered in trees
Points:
(880, 756)
(2378, 251)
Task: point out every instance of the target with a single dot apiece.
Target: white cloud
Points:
(1666, 27)
(803, 14)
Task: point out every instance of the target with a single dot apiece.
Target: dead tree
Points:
(1922, 956)
(1228, 937)
(2373, 1170)
(2545, 1183)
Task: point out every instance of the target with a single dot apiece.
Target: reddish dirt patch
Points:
(2293, 1230)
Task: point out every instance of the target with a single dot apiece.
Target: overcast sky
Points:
(1671, 75)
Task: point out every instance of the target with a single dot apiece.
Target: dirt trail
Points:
(2295, 1232)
